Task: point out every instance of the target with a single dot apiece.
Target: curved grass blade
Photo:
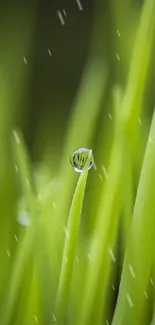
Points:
(70, 245)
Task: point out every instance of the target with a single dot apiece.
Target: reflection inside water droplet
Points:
(79, 159)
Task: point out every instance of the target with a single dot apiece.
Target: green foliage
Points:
(84, 255)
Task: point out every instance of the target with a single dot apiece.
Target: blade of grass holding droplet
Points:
(70, 245)
(130, 109)
(140, 252)
(24, 246)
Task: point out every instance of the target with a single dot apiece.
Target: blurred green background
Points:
(62, 85)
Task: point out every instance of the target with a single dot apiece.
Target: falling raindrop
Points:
(132, 271)
(117, 56)
(118, 33)
(16, 238)
(49, 52)
(8, 253)
(79, 158)
(79, 4)
(129, 300)
(60, 17)
(24, 59)
(112, 255)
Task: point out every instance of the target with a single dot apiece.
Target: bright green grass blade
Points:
(139, 65)
(70, 245)
(140, 252)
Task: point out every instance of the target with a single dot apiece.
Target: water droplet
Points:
(35, 318)
(64, 12)
(60, 17)
(8, 253)
(151, 281)
(118, 57)
(49, 52)
(146, 295)
(110, 117)
(16, 238)
(107, 323)
(16, 137)
(16, 168)
(129, 300)
(23, 218)
(105, 172)
(113, 287)
(118, 33)
(132, 271)
(24, 59)
(139, 121)
(77, 259)
(66, 232)
(79, 4)
(54, 318)
(100, 176)
(112, 255)
(79, 158)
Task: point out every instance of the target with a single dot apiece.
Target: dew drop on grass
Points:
(79, 158)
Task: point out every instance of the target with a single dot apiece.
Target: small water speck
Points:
(132, 271)
(54, 205)
(49, 52)
(146, 295)
(27, 183)
(54, 318)
(110, 117)
(100, 176)
(16, 136)
(66, 232)
(129, 300)
(107, 323)
(118, 33)
(16, 168)
(113, 287)
(112, 197)
(79, 4)
(64, 12)
(62, 21)
(35, 318)
(151, 281)
(65, 258)
(24, 59)
(105, 172)
(16, 238)
(89, 256)
(139, 121)
(8, 253)
(151, 140)
(112, 254)
(117, 56)
(77, 259)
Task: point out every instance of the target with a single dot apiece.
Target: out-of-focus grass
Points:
(60, 268)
